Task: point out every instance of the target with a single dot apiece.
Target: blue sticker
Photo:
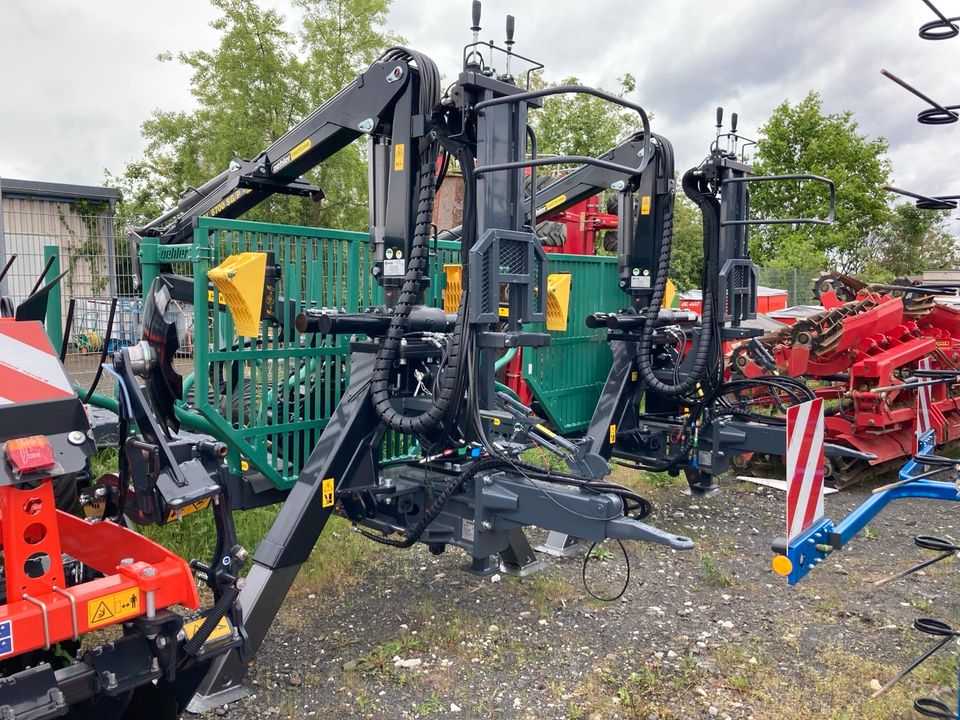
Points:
(6, 637)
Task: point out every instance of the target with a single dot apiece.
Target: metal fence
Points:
(49, 236)
(798, 283)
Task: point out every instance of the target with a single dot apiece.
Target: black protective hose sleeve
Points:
(693, 186)
(216, 614)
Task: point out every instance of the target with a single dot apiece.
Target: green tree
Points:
(802, 139)
(253, 86)
(686, 263)
(914, 240)
(582, 124)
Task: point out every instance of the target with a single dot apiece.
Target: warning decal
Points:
(187, 509)
(6, 637)
(221, 630)
(327, 492)
(113, 608)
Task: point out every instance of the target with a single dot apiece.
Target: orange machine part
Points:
(40, 609)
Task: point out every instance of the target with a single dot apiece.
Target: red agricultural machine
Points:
(869, 350)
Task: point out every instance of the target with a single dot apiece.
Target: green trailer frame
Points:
(270, 398)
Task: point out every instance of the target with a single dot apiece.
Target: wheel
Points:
(552, 234)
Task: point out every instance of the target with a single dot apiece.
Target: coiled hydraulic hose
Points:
(694, 185)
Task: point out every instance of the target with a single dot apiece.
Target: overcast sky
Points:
(79, 77)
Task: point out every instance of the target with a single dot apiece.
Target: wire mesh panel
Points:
(76, 236)
(799, 283)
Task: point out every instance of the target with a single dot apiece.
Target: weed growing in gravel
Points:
(430, 706)
(712, 572)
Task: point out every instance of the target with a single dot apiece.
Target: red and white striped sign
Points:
(804, 466)
(29, 369)
(924, 405)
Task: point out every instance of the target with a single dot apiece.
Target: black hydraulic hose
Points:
(104, 351)
(210, 622)
(67, 329)
(487, 464)
(693, 186)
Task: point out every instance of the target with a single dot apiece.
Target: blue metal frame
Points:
(822, 538)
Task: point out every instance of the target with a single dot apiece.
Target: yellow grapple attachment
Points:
(246, 289)
(558, 296)
(558, 301)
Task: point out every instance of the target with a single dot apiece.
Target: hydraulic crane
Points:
(414, 370)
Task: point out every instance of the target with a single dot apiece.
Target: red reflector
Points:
(30, 454)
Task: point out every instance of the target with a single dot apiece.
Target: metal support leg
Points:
(560, 544)
(344, 452)
(700, 484)
(519, 559)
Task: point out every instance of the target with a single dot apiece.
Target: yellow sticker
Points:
(113, 608)
(221, 630)
(633, 376)
(327, 491)
(613, 434)
(398, 151)
(244, 465)
(503, 312)
(551, 204)
(645, 205)
(187, 509)
(300, 149)
(496, 421)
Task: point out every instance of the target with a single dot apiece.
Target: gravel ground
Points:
(701, 634)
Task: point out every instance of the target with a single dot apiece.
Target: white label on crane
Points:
(393, 268)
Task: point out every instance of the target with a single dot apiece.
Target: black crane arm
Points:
(584, 182)
(372, 104)
(587, 180)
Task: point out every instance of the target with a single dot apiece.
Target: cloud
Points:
(81, 77)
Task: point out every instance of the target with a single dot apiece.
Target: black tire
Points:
(552, 234)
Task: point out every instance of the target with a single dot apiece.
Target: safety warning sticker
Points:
(222, 629)
(113, 608)
(6, 637)
(327, 492)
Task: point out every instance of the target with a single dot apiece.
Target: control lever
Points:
(511, 27)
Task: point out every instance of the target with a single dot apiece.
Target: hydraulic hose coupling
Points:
(211, 451)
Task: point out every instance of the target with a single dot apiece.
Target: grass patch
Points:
(333, 562)
(712, 572)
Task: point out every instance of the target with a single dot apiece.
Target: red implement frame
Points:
(139, 575)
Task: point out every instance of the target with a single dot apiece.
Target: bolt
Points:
(127, 561)
(155, 665)
(149, 572)
(109, 680)
(76, 438)
(365, 125)
(242, 554)
(486, 525)
(240, 583)
(161, 642)
(618, 185)
(487, 480)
